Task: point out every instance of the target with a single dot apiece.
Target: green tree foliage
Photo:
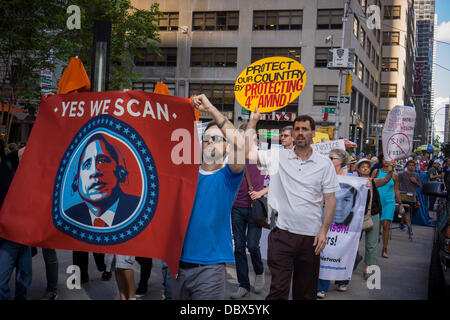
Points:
(34, 36)
(446, 150)
(132, 29)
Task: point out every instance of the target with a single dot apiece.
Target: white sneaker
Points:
(320, 294)
(259, 283)
(240, 293)
(342, 288)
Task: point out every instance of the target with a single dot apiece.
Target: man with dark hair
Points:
(300, 179)
(287, 140)
(98, 183)
(207, 243)
(409, 180)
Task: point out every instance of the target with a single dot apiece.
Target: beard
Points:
(211, 155)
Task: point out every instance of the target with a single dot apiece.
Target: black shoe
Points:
(50, 295)
(84, 279)
(357, 261)
(106, 275)
(141, 291)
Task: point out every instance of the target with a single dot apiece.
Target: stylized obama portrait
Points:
(98, 179)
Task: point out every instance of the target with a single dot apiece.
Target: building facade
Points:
(206, 44)
(425, 27)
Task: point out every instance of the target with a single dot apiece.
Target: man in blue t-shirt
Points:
(207, 244)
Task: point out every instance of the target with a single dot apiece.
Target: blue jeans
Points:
(246, 233)
(324, 285)
(167, 281)
(16, 255)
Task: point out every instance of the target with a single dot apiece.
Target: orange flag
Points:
(74, 78)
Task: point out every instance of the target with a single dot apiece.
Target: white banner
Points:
(324, 148)
(398, 132)
(338, 256)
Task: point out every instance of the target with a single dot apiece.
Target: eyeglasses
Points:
(215, 139)
(285, 135)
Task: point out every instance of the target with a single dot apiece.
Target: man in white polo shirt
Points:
(300, 179)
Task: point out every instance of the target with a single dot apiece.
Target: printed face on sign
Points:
(97, 171)
(345, 202)
(106, 189)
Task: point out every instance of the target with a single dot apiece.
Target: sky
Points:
(441, 83)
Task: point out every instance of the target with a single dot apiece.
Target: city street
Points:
(404, 276)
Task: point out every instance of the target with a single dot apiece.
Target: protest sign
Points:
(324, 148)
(338, 256)
(97, 176)
(270, 84)
(398, 132)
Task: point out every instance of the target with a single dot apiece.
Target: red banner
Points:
(97, 175)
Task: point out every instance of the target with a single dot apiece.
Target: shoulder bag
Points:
(259, 206)
(367, 222)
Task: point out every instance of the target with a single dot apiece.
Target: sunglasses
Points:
(215, 139)
(334, 158)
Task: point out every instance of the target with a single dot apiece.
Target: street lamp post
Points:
(100, 55)
(338, 103)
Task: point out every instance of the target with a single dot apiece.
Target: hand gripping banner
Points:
(97, 175)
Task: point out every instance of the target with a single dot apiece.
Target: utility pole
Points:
(338, 103)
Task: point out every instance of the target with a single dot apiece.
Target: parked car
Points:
(439, 275)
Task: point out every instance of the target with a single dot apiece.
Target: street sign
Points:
(344, 99)
(328, 110)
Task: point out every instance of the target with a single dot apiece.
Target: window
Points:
(388, 90)
(210, 21)
(372, 55)
(168, 58)
(392, 12)
(355, 64)
(361, 71)
(369, 47)
(168, 22)
(367, 78)
(391, 38)
(221, 95)
(150, 86)
(329, 19)
(389, 64)
(372, 83)
(321, 94)
(213, 57)
(355, 27)
(260, 53)
(278, 20)
(362, 37)
(321, 57)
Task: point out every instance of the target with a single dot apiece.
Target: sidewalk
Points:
(403, 276)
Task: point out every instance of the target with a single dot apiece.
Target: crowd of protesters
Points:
(300, 194)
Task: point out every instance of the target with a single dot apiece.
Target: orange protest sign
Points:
(270, 84)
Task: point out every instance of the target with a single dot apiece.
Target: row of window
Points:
(262, 20)
(211, 57)
(366, 44)
(363, 73)
(222, 94)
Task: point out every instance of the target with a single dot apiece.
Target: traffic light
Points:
(371, 141)
(348, 84)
